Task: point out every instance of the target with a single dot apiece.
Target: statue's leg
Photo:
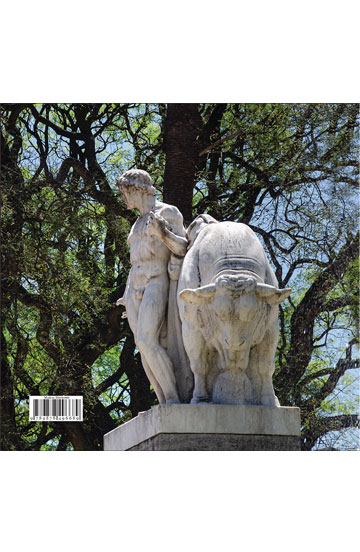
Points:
(195, 347)
(254, 376)
(262, 366)
(154, 382)
(132, 310)
(151, 316)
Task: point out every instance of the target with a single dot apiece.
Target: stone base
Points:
(201, 441)
(209, 427)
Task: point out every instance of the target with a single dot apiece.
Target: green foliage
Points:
(290, 171)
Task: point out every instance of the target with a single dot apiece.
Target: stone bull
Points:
(228, 301)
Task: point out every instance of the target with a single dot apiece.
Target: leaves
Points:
(290, 171)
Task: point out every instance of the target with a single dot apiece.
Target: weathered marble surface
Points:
(226, 427)
(158, 244)
(228, 304)
(205, 299)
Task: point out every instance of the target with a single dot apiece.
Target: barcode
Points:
(56, 409)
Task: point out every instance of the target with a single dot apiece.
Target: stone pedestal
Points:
(209, 427)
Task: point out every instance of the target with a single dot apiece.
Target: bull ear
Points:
(198, 296)
(271, 294)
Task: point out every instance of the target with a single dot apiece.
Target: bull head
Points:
(235, 286)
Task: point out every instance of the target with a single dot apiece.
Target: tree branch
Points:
(335, 374)
(43, 330)
(304, 315)
(220, 141)
(336, 423)
(58, 130)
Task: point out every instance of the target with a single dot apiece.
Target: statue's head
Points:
(198, 224)
(136, 179)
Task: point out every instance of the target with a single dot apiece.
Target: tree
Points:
(289, 171)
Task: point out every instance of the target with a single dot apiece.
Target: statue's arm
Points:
(122, 300)
(170, 230)
(176, 244)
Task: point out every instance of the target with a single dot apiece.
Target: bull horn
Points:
(271, 294)
(198, 296)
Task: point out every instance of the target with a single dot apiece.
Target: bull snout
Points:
(234, 345)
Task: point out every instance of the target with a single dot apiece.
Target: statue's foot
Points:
(172, 401)
(202, 399)
(270, 400)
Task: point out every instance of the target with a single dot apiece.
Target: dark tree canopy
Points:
(289, 171)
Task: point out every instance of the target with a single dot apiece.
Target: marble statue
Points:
(202, 303)
(158, 244)
(228, 300)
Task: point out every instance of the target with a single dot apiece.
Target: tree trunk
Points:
(9, 437)
(182, 127)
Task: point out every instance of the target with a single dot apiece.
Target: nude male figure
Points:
(156, 239)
